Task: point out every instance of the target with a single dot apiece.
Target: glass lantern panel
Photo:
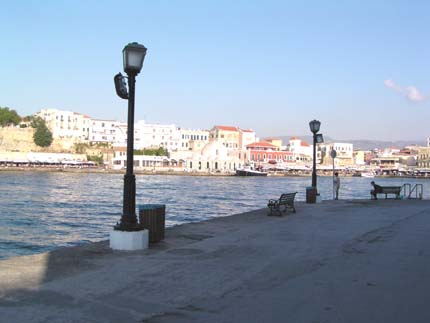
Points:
(135, 60)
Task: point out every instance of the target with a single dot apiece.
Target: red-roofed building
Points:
(227, 128)
(227, 135)
(274, 141)
(265, 152)
(262, 145)
(299, 146)
(232, 137)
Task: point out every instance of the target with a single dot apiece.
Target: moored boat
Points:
(249, 171)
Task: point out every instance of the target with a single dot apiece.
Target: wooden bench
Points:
(283, 204)
(390, 190)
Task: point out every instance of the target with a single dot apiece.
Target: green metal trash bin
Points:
(311, 194)
(153, 217)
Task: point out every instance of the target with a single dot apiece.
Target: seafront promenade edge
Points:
(336, 261)
(180, 173)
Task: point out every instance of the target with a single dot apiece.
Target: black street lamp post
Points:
(314, 125)
(133, 56)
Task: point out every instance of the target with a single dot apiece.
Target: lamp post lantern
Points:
(314, 125)
(133, 56)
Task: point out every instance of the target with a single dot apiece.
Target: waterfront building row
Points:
(215, 157)
(72, 127)
(43, 159)
(242, 146)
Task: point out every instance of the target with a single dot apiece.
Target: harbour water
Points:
(43, 210)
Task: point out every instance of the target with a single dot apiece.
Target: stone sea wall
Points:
(21, 140)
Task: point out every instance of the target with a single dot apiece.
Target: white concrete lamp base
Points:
(124, 240)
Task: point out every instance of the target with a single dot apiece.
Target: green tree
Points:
(8, 117)
(95, 158)
(42, 136)
(81, 148)
(152, 152)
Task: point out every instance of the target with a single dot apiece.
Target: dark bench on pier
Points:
(283, 204)
(395, 190)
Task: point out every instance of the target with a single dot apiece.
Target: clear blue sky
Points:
(360, 67)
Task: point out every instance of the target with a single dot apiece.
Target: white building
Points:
(389, 151)
(67, 125)
(147, 163)
(149, 135)
(246, 138)
(191, 139)
(140, 162)
(121, 135)
(74, 127)
(108, 131)
(344, 154)
(302, 151)
(214, 157)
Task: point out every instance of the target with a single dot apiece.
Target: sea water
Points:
(43, 210)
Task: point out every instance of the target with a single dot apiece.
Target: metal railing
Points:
(415, 192)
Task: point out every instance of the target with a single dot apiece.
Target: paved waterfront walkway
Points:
(337, 261)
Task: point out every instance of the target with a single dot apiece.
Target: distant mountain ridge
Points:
(363, 144)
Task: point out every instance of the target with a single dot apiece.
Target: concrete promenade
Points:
(337, 261)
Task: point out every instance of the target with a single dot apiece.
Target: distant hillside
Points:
(362, 143)
(308, 139)
(371, 144)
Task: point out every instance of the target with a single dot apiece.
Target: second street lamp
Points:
(133, 56)
(314, 125)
